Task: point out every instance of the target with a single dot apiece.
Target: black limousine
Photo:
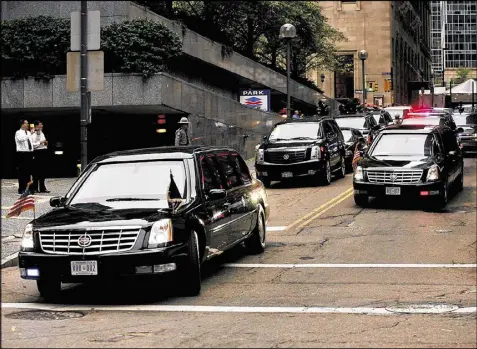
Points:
(146, 212)
(413, 161)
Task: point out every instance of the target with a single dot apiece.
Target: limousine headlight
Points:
(27, 238)
(433, 173)
(260, 156)
(161, 232)
(315, 153)
(358, 174)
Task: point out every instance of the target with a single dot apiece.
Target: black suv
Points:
(146, 212)
(364, 123)
(410, 161)
(295, 148)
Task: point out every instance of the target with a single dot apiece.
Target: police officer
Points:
(182, 137)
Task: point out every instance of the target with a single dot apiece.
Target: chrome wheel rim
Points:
(261, 229)
(343, 167)
(328, 171)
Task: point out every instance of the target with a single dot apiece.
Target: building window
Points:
(344, 77)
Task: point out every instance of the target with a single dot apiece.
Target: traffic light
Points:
(375, 87)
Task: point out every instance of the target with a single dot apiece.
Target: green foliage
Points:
(139, 46)
(462, 75)
(252, 28)
(37, 46)
(34, 46)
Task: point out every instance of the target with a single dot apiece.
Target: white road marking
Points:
(276, 228)
(303, 265)
(237, 309)
(9, 258)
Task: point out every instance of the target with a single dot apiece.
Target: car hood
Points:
(416, 162)
(290, 144)
(75, 218)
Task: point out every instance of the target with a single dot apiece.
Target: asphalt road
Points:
(333, 275)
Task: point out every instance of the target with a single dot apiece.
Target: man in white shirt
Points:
(24, 144)
(40, 157)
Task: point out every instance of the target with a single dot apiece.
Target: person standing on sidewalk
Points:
(182, 137)
(40, 158)
(24, 146)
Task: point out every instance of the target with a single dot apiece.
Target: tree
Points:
(462, 75)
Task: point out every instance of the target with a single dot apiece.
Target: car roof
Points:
(411, 129)
(307, 119)
(342, 116)
(156, 153)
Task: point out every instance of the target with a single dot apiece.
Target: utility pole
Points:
(84, 84)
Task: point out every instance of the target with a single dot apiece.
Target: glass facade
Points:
(453, 36)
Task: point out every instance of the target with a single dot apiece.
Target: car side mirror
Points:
(265, 138)
(459, 130)
(57, 201)
(216, 194)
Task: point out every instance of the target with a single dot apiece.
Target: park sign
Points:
(256, 99)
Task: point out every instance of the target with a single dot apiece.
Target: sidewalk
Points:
(12, 228)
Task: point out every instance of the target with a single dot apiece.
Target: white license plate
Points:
(393, 191)
(84, 268)
(287, 174)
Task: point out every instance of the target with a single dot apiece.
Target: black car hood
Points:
(290, 144)
(75, 218)
(417, 162)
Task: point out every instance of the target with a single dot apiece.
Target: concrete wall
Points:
(194, 44)
(215, 119)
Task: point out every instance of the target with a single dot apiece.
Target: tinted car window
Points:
(242, 168)
(409, 145)
(337, 130)
(215, 169)
(293, 130)
(329, 132)
(228, 169)
(450, 141)
(208, 177)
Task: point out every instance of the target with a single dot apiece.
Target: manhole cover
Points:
(423, 308)
(45, 315)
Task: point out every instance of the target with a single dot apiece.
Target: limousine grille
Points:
(285, 157)
(398, 176)
(102, 241)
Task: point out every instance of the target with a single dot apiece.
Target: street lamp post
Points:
(288, 32)
(363, 55)
(432, 88)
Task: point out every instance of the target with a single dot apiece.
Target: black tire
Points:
(189, 273)
(361, 200)
(266, 182)
(440, 202)
(459, 186)
(325, 175)
(255, 244)
(342, 171)
(49, 288)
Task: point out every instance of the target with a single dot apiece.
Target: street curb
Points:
(10, 261)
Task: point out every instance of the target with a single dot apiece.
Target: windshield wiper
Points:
(302, 138)
(133, 199)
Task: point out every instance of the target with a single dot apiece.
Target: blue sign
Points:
(257, 99)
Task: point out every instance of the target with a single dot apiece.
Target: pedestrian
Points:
(24, 147)
(296, 115)
(182, 136)
(40, 158)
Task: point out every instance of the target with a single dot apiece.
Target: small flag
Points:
(24, 203)
(174, 198)
(356, 157)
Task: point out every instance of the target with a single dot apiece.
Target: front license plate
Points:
(84, 268)
(287, 174)
(393, 191)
